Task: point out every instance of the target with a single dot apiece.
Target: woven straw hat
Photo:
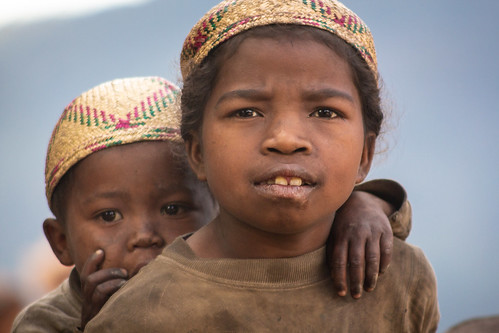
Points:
(113, 113)
(232, 17)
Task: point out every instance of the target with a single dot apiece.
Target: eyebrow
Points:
(253, 94)
(106, 195)
(323, 93)
(311, 94)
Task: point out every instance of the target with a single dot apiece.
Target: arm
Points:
(361, 237)
(98, 285)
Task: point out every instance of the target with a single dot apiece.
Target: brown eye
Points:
(110, 216)
(171, 209)
(246, 113)
(324, 113)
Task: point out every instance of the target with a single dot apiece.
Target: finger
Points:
(100, 277)
(372, 264)
(100, 296)
(338, 266)
(106, 290)
(92, 264)
(386, 247)
(356, 260)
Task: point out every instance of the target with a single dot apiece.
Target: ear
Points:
(195, 156)
(56, 235)
(367, 157)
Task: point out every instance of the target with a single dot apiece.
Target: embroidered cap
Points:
(113, 113)
(231, 17)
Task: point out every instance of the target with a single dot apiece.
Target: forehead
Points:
(156, 161)
(258, 60)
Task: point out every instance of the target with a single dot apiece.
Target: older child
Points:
(120, 189)
(281, 112)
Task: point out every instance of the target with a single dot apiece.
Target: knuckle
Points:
(356, 263)
(386, 250)
(372, 259)
(338, 264)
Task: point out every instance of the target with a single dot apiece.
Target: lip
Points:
(287, 171)
(297, 195)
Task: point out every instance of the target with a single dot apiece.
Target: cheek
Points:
(112, 243)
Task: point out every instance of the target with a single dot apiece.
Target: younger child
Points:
(120, 188)
(281, 112)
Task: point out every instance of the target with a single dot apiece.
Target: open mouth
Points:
(287, 181)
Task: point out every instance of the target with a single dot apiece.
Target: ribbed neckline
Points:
(302, 270)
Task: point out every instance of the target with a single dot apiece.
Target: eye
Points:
(246, 113)
(173, 209)
(324, 113)
(110, 216)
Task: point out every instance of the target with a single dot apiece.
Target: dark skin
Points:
(123, 206)
(361, 225)
(360, 250)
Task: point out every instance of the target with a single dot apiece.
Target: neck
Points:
(226, 237)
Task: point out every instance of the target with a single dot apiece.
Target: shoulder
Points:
(55, 312)
(410, 260)
(414, 275)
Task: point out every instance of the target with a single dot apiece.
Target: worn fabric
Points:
(179, 292)
(58, 311)
(393, 193)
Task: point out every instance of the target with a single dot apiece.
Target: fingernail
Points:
(99, 251)
(342, 293)
(373, 283)
(357, 291)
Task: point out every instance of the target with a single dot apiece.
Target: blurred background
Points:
(439, 63)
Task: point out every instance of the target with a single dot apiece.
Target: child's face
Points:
(130, 201)
(282, 142)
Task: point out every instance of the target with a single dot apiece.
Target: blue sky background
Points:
(439, 63)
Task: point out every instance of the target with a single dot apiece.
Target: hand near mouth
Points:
(98, 285)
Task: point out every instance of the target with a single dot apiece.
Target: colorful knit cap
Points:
(232, 17)
(113, 113)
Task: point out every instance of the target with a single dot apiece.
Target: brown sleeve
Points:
(393, 193)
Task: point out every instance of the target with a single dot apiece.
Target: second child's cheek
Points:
(114, 256)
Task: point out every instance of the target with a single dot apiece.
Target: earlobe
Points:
(367, 157)
(195, 156)
(56, 236)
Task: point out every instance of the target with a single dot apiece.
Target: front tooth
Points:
(281, 181)
(295, 181)
(270, 182)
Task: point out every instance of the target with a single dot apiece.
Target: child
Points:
(281, 112)
(120, 189)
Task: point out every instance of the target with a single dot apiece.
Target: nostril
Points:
(148, 241)
(273, 150)
(301, 150)
(282, 151)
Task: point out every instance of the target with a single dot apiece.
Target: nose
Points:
(286, 135)
(145, 235)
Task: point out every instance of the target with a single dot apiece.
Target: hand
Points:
(98, 285)
(361, 242)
